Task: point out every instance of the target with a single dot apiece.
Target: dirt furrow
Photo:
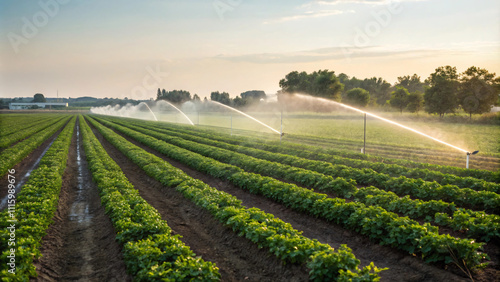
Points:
(80, 244)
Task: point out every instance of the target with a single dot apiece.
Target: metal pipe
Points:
(467, 163)
(364, 137)
(281, 121)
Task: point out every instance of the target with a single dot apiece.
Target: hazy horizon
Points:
(130, 49)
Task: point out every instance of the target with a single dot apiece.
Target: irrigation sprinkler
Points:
(468, 154)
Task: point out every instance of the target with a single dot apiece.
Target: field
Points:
(99, 198)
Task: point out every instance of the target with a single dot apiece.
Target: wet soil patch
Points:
(80, 245)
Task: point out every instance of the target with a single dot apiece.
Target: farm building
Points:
(26, 106)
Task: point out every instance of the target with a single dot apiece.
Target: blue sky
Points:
(130, 48)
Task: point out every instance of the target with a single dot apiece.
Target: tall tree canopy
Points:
(174, 96)
(411, 83)
(39, 98)
(357, 97)
(399, 98)
(222, 98)
(477, 92)
(322, 83)
(441, 96)
(378, 88)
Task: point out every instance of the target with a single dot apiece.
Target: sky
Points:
(126, 48)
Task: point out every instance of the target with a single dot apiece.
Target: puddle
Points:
(80, 208)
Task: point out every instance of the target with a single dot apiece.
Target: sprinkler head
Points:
(282, 133)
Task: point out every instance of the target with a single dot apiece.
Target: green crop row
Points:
(11, 123)
(29, 213)
(464, 197)
(392, 170)
(264, 229)
(480, 225)
(375, 222)
(329, 155)
(25, 132)
(11, 156)
(150, 251)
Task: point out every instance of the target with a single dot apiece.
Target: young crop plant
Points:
(375, 222)
(35, 206)
(150, 251)
(261, 228)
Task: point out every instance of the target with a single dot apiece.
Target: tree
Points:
(196, 98)
(477, 91)
(415, 102)
(378, 88)
(399, 98)
(441, 96)
(322, 83)
(411, 83)
(175, 96)
(222, 98)
(357, 97)
(39, 98)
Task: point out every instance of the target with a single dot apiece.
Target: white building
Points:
(27, 106)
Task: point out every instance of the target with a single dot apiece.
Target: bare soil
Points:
(402, 266)
(80, 244)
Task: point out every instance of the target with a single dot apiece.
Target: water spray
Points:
(391, 122)
(248, 116)
(179, 111)
(149, 110)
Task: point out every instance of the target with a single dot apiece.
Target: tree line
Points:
(181, 96)
(476, 90)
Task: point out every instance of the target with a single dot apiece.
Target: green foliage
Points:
(39, 98)
(399, 98)
(477, 93)
(322, 83)
(14, 154)
(415, 102)
(357, 97)
(35, 207)
(441, 96)
(375, 222)
(261, 228)
(150, 251)
(174, 96)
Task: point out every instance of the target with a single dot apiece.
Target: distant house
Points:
(27, 106)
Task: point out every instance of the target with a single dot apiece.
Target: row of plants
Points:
(391, 170)
(385, 227)
(150, 250)
(318, 153)
(465, 178)
(10, 123)
(22, 133)
(262, 228)
(479, 224)
(463, 197)
(31, 211)
(12, 155)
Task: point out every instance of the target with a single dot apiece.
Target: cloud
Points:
(332, 53)
(363, 2)
(309, 14)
